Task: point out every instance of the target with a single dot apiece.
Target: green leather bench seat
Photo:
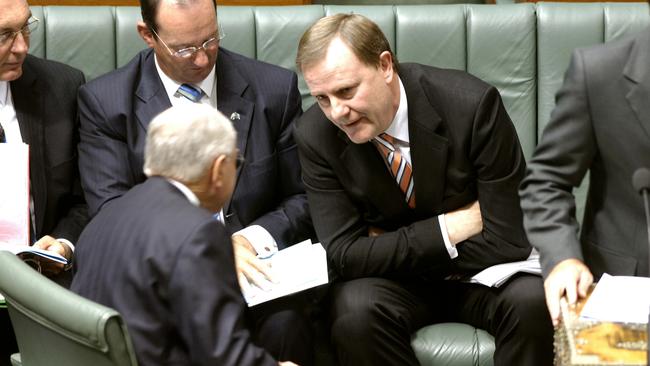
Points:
(522, 49)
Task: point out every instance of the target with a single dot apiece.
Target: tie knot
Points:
(190, 92)
(386, 140)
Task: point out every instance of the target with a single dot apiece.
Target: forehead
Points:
(339, 67)
(187, 19)
(14, 14)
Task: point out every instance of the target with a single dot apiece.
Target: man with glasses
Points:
(184, 65)
(38, 106)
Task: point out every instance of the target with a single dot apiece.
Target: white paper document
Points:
(497, 275)
(296, 268)
(14, 194)
(619, 299)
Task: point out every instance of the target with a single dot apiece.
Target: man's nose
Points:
(201, 58)
(20, 44)
(339, 109)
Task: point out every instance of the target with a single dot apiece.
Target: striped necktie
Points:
(399, 167)
(190, 92)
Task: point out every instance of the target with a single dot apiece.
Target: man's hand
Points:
(571, 278)
(49, 243)
(287, 363)
(250, 269)
(464, 223)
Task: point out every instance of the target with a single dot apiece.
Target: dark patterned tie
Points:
(190, 92)
(399, 167)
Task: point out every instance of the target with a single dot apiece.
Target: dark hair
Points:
(149, 10)
(361, 34)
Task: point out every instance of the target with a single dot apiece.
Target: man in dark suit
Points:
(601, 124)
(185, 65)
(159, 257)
(443, 203)
(38, 106)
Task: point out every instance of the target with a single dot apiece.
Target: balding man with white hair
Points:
(159, 257)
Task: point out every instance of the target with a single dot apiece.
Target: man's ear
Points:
(217, 171)
(145, 33)
(386, 65)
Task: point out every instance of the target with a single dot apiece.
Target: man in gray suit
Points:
(601, 124)
(159, 257)
(184, 65)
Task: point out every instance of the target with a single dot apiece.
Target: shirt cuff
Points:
(67, 242)
(453, 252)
(260, 239)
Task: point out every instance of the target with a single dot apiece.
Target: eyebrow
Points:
(6, 29)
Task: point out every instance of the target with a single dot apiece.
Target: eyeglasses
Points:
(8, 37)
(239, 160)
(209, 45)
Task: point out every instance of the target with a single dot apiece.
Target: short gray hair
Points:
(183, 141)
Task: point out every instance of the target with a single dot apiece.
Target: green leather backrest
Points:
(522, 49)
(54, 326)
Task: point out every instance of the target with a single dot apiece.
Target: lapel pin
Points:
(235, 116)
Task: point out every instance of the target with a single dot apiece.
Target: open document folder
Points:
(296, 268)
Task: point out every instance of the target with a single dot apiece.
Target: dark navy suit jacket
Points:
(167, 266)
(116, 109)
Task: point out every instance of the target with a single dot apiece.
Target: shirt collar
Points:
(399, 127)
(185, 191)
(4, 93)
(171, 86)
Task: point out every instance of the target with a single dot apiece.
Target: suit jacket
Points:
(117, 108)
(167, 266)
(45, 99)
(463, 146)
(601, 124)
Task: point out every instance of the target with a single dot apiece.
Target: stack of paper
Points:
(619, 299)
(296, 268)
(14, 194)
(497, 275)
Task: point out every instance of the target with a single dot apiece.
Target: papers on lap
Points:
(14, 194)
(296, 268)
(499, 274)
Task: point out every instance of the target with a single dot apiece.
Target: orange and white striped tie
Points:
(399, 167)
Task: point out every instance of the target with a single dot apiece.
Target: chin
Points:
(11, 75)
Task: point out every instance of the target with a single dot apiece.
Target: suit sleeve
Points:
(559, 164)
(103, 153)
(207, 303)
(290, 221)
(75, 213)
(499, 164)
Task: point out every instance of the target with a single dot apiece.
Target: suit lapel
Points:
(636, 83)
(365, 164)
(231, 102)
(151, 95)
(428, 149)
(28, 102)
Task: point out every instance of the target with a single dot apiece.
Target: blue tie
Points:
(190, 92)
